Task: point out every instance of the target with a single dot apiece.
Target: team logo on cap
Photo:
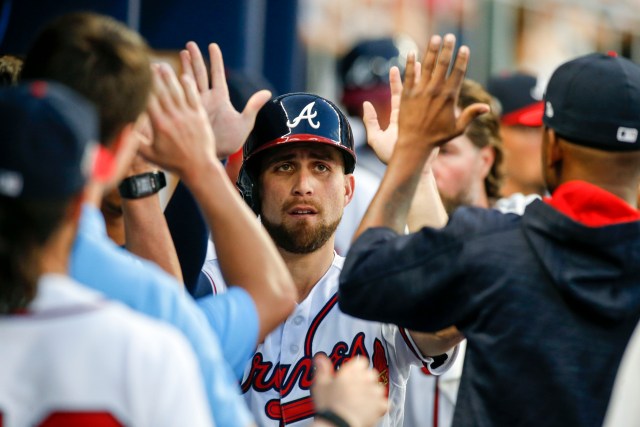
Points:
(629, 135)
(548, 110)
(308, 114)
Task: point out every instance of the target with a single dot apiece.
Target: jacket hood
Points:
(597, 269)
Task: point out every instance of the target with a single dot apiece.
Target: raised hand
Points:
(353, 392)
(230, 127)
(383, 141)
(427, 116)
(182, 136)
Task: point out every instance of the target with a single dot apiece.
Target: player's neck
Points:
(511, 187)
(54, 255)
(308, 269)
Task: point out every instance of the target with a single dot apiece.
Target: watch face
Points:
(143, 186)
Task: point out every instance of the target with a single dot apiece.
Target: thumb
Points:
(254, 104)
(324, 369)
(470, 113)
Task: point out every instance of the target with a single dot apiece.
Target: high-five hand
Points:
(230, 127)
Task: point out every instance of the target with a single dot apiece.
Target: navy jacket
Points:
(547, 306)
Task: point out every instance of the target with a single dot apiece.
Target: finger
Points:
(324, 369)
(444, 59)
(430, 57)
(160, 90)
(218, 79)
(199, 69)
(254, 104)
(191, 91)
(358, 363)
(410, 72)
(173, 85)
(470, 113)
(418, 68)
(185, 62)
(370, 118)
(395, 82)
(154, 111)
(459, 69)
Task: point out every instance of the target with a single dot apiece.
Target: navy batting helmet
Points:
(293, 118)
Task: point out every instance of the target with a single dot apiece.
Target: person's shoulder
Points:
(469, 220)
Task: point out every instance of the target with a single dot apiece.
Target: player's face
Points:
(460, 169)
(522, 157)
(303, 189)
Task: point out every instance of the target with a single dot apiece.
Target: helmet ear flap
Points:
(248, 190)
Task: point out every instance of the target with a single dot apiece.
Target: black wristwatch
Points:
(143, 185)
(332, 417)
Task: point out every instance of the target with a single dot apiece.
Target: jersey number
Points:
(77, 419)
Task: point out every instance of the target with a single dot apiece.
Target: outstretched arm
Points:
(426, 120)
(185, 144)
(426, 207)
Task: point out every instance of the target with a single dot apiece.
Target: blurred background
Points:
(295, 45)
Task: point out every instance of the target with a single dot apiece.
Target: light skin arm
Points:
(185, 144)
(426, 120)
(353, 392)
(145, 226)
(426, 207)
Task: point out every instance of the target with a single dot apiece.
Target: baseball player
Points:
(296, 175)
(70, 357)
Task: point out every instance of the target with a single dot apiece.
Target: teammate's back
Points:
(75, 357)
(69, 357)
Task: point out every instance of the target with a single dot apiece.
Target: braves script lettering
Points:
(265, 376)
(308, 114)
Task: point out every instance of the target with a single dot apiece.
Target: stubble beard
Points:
(300, 238)
(463, 198)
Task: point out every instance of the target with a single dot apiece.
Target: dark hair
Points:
(484, 131)
(100, 58)
(10, 67)
(25, 226)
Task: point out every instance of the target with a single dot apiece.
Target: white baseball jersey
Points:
(74, 358)
(431, 400)
(277, 381)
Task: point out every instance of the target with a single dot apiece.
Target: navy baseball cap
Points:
(594, 100)
(520, 98)
(48, 143)
(364, 70)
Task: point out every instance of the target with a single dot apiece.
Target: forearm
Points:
(390, 206)
(147, 233)
(437, 343)
(426, 209)
(247, 255)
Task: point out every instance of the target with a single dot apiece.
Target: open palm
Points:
(230, 127)
(383, 141)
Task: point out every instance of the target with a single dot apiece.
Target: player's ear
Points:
(349, 187)
(487, 157)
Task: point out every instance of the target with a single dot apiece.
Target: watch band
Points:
(142, 185)
(332, 417)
